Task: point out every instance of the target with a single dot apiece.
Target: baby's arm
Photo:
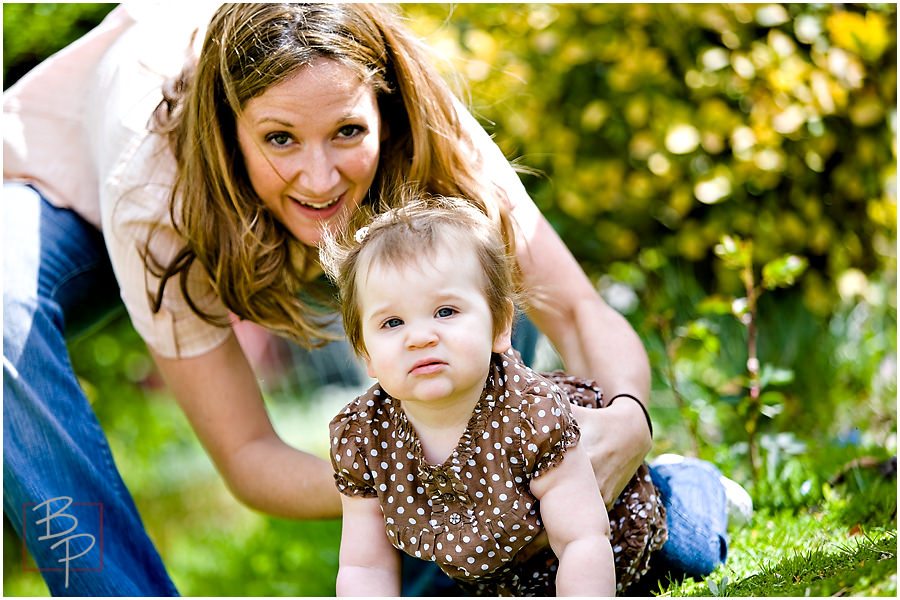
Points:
(369, 564)
(575, 518)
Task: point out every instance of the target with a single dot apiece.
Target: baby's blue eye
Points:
(391, 323)
(445, 312)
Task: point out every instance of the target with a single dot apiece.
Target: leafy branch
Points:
(737, 255)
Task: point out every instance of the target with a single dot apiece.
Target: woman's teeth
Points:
(320, 206)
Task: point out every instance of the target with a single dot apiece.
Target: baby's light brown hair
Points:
(415, 231)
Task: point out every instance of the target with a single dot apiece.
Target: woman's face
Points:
(311, 147)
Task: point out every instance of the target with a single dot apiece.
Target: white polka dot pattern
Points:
(473, 514)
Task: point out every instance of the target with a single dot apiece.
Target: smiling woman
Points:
(203, 226)
(311, 147)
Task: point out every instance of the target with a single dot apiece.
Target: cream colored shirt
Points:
(76, 128)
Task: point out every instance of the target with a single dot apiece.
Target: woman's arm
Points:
(577, 526)
(593, 340)
(369, 564)
(220, 396)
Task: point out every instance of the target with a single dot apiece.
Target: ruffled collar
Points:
(443, 480)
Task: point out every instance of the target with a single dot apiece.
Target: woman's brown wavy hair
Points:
(255, 265)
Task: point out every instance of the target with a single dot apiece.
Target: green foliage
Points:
(34, 31)
(663, 127)
(737, 255)
(664, 131)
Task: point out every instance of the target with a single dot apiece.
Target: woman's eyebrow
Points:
(266, 120)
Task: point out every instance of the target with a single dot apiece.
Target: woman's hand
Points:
(616, 439)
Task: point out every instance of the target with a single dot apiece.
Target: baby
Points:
(460, 454)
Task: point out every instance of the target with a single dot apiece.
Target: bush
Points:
(659, 129)
(32, 32)
(663, 127)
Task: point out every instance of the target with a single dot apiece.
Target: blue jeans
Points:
(696, 515)
(61, 489)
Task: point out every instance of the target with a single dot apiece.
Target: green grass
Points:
(821, 551)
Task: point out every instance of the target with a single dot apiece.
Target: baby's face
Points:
(427, 327)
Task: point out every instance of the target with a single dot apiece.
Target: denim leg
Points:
(696, 517)
(61, 489)
(525, 338)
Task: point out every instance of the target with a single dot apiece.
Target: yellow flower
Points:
(866, 36)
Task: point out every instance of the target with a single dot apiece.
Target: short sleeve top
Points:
(473, 514)
(77, 128)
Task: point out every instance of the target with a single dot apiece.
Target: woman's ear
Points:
(503, 339)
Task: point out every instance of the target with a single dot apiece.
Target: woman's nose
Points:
(317, 175)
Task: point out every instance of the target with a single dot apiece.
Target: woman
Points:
(210, 189)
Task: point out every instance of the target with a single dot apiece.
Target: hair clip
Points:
(361, 234)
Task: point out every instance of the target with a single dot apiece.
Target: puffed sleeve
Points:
(348, 455)
(548, 427)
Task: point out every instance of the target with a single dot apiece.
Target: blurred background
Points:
(725, 174)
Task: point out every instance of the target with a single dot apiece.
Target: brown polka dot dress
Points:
(474, 515)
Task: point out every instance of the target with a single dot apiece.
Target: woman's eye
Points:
(278, 139)
(391, 323)
(349, 131)
(445, 312)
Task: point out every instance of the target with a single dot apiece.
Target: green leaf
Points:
(772, 375)
(771, 404)
(716, 304)
(704, 332)
(783, 271)
(734, 252)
